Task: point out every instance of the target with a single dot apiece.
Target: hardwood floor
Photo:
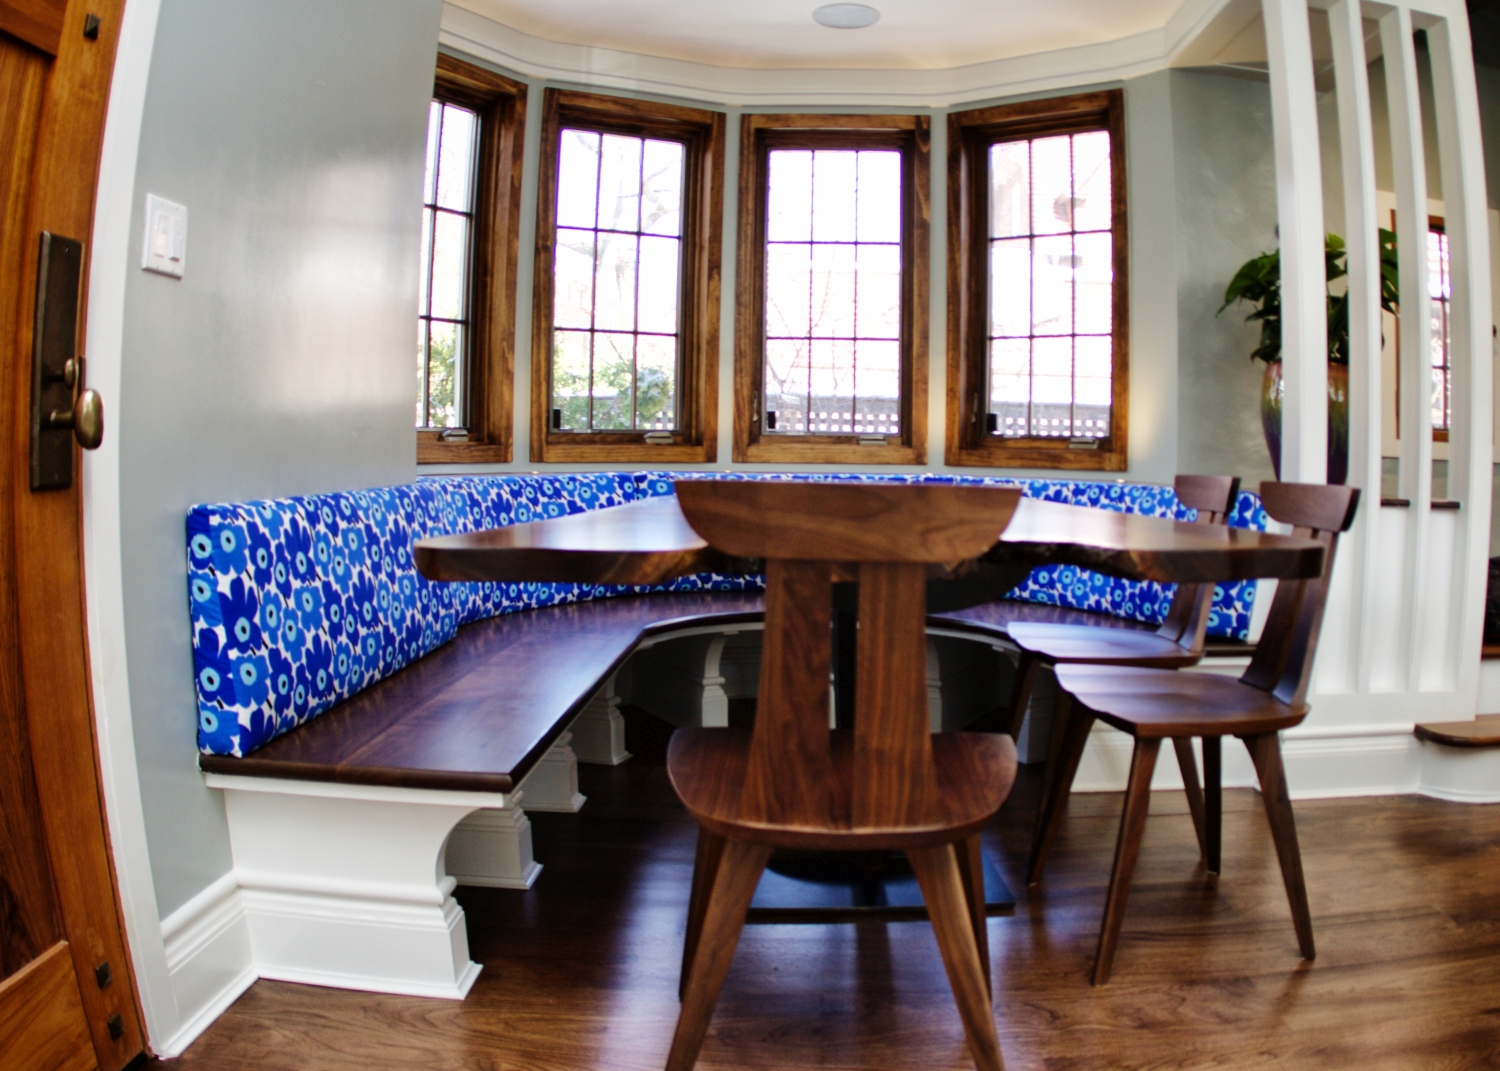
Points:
(581, 971)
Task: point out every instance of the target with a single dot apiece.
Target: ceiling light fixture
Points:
(846, 16)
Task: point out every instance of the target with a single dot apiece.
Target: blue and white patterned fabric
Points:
(300, 603)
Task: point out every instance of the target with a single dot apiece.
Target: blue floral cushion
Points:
(300, 603)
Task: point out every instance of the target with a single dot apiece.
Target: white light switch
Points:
(165, 247)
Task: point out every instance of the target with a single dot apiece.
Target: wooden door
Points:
(67, 997)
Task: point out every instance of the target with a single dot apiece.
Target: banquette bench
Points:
(375, 733)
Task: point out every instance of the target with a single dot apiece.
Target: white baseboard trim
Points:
(210, 960)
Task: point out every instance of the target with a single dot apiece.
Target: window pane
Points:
(788, 290)
(787, 383)
(1010, 189)
(450, 257)
(1051, 185)
(1051, 286)
(656, 383)
(833, 291)
(577, 178)
(661, 195)
(878, 291)
(1093, 204)
(878, 197)
(573, 287)
(614, 282)
(789, 197)
(426, 269)
(620, 183)
(833, 196)
(442, 364)
(877, 397)
(832, 381)
(570, 377)
(617, 273)
(456, 158)
(434, 127)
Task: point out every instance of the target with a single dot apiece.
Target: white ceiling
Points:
(911, 34)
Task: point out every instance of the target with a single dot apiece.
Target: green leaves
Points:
(1259, 282)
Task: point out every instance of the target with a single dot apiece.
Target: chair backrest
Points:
(886, 536)
(1283, 660)
(1187, 618)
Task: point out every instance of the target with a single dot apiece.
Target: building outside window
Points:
(1038, 320)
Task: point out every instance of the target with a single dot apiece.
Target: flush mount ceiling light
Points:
(846, 16)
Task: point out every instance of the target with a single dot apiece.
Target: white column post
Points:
(1299, 211)
(1414, 419)
(1362, 223)
(1471, 345)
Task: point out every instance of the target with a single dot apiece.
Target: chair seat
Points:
(1165, 703)
(1063, 644)
(974, 775)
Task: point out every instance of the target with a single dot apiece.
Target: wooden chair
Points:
(1177, 643)
(1155, 704)
(888, 783)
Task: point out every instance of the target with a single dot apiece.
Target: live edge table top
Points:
(651, 542)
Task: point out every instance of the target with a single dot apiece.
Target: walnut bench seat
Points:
(350, 832)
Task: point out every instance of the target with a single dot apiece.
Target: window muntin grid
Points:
(1051, 293)
(443, 312)
(833, 292)
(1440, 294)
(617, 282)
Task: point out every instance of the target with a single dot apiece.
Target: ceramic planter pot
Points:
(1271, 390)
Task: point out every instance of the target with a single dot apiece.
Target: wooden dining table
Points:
(651, 542)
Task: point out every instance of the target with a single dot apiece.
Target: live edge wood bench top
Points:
(478, 713)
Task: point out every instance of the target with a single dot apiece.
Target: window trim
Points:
(913, 135)
(702, 130)
(489, 364)
(970, 133)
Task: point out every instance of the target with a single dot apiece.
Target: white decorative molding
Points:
(552, 784)
(604, 68)
(599, 730)
(345, 885)
(209, 960)
(492, 848)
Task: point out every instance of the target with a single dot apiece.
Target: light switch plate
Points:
(164, 248)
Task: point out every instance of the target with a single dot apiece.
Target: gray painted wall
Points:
(1226, 213)
(282, 363)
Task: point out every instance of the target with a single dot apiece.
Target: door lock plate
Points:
(59, 273)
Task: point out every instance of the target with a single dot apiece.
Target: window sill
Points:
(610, 447)
(828, 450)
(996, 453)
(432, 450)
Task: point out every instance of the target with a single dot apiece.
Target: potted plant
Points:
(1259, 282)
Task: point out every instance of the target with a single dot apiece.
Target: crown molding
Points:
(604, 68)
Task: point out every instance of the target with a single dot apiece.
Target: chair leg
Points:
(1076, 721)
(1020, 693)
(1213, 801)
(942, 888)
(1132, 825)
(971, 870)
(724, 917)
(705, 868)
(1188, 764)
(1265, 751)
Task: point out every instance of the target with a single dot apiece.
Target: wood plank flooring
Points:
(581, 971)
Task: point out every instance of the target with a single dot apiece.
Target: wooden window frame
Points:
(970, 134)
(912, 134)
(702, 132)
(490, 360)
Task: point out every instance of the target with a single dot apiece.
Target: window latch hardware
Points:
(770, 420)
(454, 435)
(557, 420)
(991, 423)
(1083, 444)
(658, 438)
(873, 440)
